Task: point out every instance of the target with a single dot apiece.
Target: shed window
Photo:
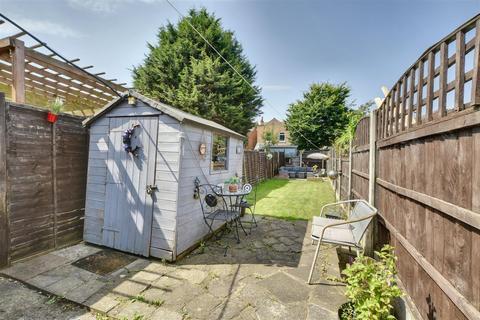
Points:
(219, 152)
(281, 137)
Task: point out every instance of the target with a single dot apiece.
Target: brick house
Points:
(256, 142)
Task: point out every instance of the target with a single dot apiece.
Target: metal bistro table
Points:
(221, 205)
(232, 202)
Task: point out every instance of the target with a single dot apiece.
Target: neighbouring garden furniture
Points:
(342, 232)
(295, 172)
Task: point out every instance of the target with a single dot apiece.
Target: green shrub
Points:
(371, 286)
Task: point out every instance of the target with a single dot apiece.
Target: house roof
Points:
(175, 113)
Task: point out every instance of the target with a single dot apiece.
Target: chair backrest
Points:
(209, 200)
(360, 210)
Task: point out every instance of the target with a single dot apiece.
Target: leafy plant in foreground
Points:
(371, 286)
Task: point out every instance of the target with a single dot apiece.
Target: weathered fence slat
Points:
(258, 168)
(45, 187)
(426, 177)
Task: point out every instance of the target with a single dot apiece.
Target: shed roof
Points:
(175, 113)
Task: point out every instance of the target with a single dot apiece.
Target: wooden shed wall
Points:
(190, 224)
(43, 181)
(166, 177)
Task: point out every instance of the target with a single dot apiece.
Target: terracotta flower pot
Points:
(51, 117)
(232, 188)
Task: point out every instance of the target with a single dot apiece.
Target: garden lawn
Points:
(292, 199)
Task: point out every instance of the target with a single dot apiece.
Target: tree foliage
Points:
(342, 142)
(320, 116)
(184, 71)
(270, 139)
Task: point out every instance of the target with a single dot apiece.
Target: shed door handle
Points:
(151, 189)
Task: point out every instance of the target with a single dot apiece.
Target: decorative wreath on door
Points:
(127, 141)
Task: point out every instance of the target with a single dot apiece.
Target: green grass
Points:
(292, 199)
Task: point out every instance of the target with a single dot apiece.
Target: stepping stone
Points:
(329, 297)
(179, 296)
(165, 314)
(130, 310)
(275, 310)
(129, 288)
(154, 294)
(76, 252)
(286, 241)
(281, 247)
(145, 277)
(102, 301)
(82, 293)
(316, 312)
(201, 306)
(285, 288)
(30, 268)
(194, 276)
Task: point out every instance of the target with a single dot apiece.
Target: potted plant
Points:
(371, 287)
(56, 106)
(233, 183)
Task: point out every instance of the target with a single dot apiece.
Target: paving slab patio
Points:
(262, 277)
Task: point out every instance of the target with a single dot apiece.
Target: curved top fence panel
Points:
(442, 82)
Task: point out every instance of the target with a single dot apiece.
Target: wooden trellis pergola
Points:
(35, 78)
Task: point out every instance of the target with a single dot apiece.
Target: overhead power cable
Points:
(233, 68)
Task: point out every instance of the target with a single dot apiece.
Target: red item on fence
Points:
(51, 117)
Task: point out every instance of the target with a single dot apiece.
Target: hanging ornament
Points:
(127, 141)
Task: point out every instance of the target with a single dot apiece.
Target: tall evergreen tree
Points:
(320, 117)
(184, 71)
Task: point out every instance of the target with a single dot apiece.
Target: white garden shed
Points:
(143, 159)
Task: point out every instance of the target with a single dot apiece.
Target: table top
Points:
(240, 193)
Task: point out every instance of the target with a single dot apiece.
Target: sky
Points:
(365, 43)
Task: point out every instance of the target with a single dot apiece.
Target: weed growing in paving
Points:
(141, 298)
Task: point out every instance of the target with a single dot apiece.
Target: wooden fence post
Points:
(369, 236)
(372, 158)
(349, 182)
(339, 167)
(4, 241)
(476, 68)
(18, 71)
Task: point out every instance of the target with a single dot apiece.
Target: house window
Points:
(219, 152)
(281, 137)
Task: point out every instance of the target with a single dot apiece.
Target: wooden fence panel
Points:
(45, 183)
(257, 166)
(427, 169)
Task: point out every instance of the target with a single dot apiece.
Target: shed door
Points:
(128, 207)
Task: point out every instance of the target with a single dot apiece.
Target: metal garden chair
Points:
(215, 208)
(342, 232)
(244, 204)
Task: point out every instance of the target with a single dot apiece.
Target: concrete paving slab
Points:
(257, 279)
(130, 310)
(76, 252)
(202, 306)
(83, 292)
(165, 314)
(30, 268)
(285, 288)
(316, 312)
(129, 288)
(103, 301)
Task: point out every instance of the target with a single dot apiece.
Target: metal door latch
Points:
(151, 189)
